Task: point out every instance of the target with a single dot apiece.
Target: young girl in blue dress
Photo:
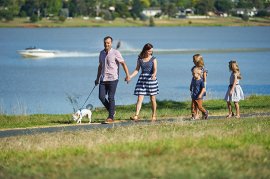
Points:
(199, 63)
(147, 84)
(234, 92)
(197, 90)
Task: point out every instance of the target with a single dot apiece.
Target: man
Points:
(108, 75)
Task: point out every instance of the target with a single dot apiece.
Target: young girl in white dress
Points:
(234, 92)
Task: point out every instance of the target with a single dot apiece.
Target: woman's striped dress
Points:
(145, 85)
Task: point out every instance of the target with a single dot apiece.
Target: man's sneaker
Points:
(206, 114)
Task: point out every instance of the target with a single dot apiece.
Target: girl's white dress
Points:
(237, 94)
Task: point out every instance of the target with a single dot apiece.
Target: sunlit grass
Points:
(166, 110)
(203, 149)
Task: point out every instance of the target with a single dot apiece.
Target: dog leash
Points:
(88, 96)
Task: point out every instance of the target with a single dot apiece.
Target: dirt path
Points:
(86, 126)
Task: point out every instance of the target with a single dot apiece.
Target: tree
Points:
(10, 8)
(122, 10)
(204, 6)
(194, 2)
(145, 3)
(82, 7)
(53, 6)
(169, 9)
(6, 15)
(72, 6)
(184, 3)
(30, 7)
(154, 3)
(244, 4)
(223, 5)
(263, 13)
(137, 8)
(259, 4)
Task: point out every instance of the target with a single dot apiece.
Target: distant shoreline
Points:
(80, 22)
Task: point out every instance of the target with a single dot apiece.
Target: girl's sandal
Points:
(230, 115)
(237, 117)
(135, 118)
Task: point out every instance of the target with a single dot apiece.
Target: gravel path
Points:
(92, 126)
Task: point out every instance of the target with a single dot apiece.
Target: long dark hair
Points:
(146, 47)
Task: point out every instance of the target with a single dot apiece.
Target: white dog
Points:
(82, 113)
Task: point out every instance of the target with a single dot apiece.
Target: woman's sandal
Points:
(230, 115)
(154, 119)
(135, 118)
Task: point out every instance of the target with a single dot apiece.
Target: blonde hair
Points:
(233, 66)
(198, 59)
(197, 70)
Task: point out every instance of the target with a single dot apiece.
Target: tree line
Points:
(110, 9)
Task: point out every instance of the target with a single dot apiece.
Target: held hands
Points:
(153, 77)
(128, 78)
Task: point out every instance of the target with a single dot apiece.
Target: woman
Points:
(147, 84)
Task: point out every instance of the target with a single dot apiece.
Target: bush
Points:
(6, 15)
(62, 18)
(34, 18)
(143, 17)
(263, 13)
(151, 22)
(245, 17)
(108, 16)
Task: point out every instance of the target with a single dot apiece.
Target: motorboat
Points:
(36, 53)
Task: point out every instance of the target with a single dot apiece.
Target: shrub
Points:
(151, 22)
(143, 17)
(62, 18)
(34, 18)
(245, 17)
(6, 15)
(108, 16)
(263, 13)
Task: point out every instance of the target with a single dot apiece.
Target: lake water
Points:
(43, 85)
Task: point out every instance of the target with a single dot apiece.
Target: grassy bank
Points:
(166, 109)
(226, 148)
(79, 22)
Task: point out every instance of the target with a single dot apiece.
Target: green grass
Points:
(223, 148)
(235, 148)
(119, 22)
(166, 109)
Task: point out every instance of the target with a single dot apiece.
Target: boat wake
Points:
(65, 54)
(165, 51)
(134, 51)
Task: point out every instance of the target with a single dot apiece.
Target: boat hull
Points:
(37, 53)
